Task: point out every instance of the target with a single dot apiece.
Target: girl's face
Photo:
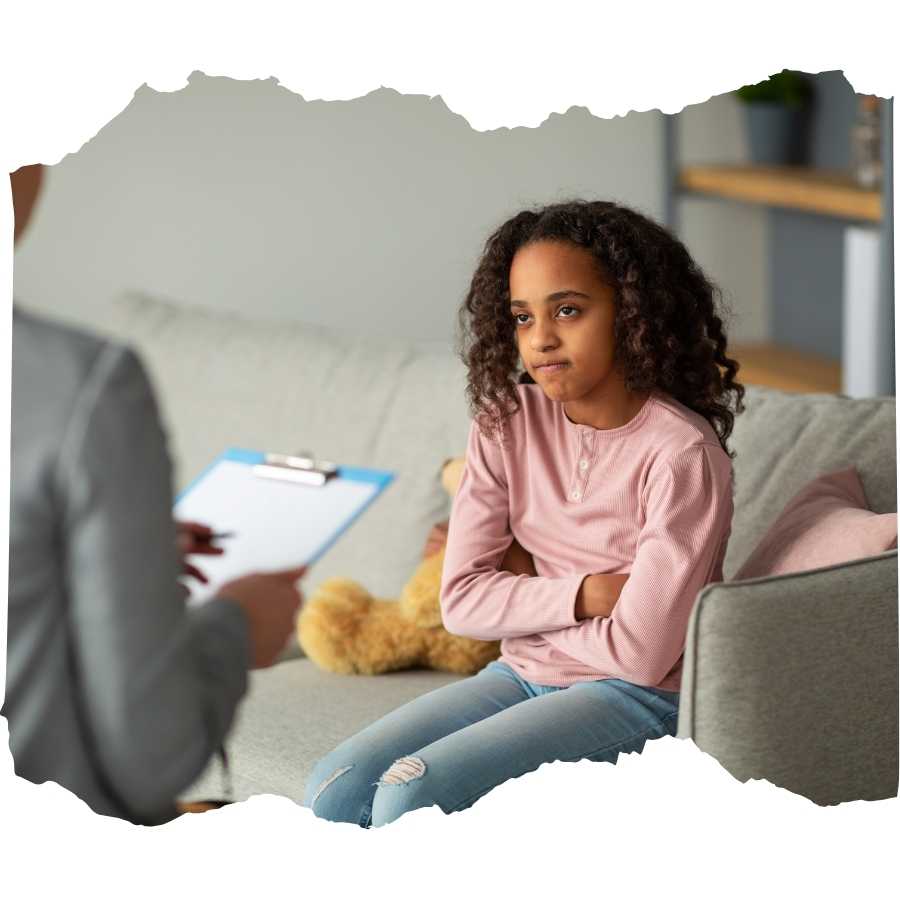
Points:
(564, 315)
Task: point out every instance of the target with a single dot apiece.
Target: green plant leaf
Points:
(786, 87)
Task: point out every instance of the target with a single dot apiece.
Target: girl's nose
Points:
(543, 338)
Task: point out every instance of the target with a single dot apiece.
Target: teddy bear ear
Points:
(452, 473)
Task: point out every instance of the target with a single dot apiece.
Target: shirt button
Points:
(583, 464)
(576, 495)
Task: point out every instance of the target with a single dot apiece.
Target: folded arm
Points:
(478, 598)
(689, 508)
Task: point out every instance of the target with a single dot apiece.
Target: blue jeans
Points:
(453, 745)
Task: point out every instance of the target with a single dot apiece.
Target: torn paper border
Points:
(667, 821)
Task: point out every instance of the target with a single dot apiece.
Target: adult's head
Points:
(26, 185)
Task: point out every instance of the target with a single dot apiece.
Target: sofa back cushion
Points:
(225, 381)
(784, 440)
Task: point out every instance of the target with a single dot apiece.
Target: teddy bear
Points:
(344, 629)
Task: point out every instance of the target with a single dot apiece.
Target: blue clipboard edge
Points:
(255, 457)
(380, 478)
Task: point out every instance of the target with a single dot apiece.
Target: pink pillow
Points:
(827, 522)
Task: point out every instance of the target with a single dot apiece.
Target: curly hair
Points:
(668, 330)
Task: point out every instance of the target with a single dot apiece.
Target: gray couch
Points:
(792, 679)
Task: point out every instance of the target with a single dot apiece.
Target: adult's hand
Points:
(270, 601)
(194, 538)
(598, 595)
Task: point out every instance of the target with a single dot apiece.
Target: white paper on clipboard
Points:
(276, 524)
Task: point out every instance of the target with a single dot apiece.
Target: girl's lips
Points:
(555, 367)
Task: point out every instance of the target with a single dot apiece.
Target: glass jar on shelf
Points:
(865, 143)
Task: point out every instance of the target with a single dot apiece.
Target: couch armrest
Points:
(794, 679)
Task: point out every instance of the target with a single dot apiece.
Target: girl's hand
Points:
(437, 539)
(598, 595)
(518, 561)
(194, 538)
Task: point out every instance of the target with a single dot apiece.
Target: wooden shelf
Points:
(772, 365)
(790, 187)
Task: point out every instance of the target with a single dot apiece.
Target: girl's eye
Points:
(567, 312)
(520, 318)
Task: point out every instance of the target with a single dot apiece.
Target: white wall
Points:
(367, 214)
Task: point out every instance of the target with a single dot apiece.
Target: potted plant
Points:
(777, 117)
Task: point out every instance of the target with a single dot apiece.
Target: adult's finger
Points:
(195, 572)
(197, 527)
(291, 574)
(205, 549)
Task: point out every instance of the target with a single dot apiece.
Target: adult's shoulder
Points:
(54, 367)
(64, 353)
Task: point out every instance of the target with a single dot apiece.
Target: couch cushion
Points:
(827, 523)
(785, 440)
(227, 381)
(294, 715)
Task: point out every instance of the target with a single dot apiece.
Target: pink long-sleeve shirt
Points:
(651, 499)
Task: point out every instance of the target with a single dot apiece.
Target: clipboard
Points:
(283, 511)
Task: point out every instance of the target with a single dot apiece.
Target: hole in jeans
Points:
(404, 770)
(327, 782)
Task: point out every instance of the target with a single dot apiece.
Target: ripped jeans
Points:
(453, 745)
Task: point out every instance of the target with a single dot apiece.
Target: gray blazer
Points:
(113, 689)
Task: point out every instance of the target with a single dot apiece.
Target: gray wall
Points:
(807, 280)
(367, 214)
(807, 252)
(729, 240)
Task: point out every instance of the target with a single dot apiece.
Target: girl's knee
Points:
(340, 792)
(405, 786)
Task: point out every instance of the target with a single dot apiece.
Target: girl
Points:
(595, 503)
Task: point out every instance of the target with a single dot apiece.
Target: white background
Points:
(667, 822)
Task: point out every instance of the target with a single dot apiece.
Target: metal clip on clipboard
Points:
(302, 469)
